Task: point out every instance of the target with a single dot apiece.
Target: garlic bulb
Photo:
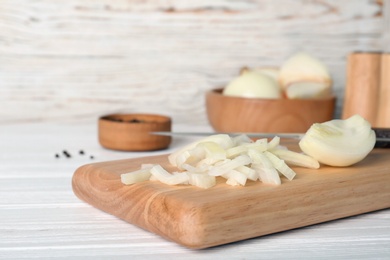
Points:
(339, 142)
(251, 84)
(303, 76)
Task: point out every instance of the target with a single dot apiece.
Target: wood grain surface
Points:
(80, 59)
(198, 218)
(41, 218)
(235, 114)
(131, 132)
(383, 119)
(368, 88)
(362, 90)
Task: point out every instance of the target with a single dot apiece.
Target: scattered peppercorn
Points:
(67, 155)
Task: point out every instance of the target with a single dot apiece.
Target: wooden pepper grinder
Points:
(367, 92)
(363, 84)
(383, 113)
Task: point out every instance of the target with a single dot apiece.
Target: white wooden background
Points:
(78, 59)
(65, 62)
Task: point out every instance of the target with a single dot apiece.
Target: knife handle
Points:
(382, 133)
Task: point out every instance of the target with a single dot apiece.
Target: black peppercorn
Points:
(67, 155)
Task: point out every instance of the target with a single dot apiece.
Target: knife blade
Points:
(251, 135)
(382, 135)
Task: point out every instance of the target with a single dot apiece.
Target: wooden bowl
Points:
(131, 132)
(236, 114)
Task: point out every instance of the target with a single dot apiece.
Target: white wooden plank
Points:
(80, 59)
(41, 218)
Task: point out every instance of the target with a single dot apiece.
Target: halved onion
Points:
(339, 142)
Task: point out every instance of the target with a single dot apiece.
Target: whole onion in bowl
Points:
(253, 84)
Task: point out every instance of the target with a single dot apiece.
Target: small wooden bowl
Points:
(236, 114)
(131, 132)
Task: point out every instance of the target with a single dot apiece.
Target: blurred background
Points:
(77, 60)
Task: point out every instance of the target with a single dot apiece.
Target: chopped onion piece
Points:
(260, 145)
(204, 181)
(230, 165)
(182, 159)
(214, 152)
(297, 159)
(241, 139)
(237, 176)
(235, 151)
(274, 143)
(267, 175)
(224, 140)
(280, 165)
(136, 176)
(196, 169)
(263, 166)
(191, 157)
(232, 182)
(152, 178)
(165, 177)
(147, 165)
(249, 172)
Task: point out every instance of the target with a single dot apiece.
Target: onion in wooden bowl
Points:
(238, 114)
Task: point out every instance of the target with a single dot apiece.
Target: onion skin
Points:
(339, 143)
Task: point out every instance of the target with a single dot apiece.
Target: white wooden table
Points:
(40, 217)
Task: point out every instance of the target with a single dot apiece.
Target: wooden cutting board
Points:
(198, 218)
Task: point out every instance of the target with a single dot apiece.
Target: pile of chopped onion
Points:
(236, 159)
